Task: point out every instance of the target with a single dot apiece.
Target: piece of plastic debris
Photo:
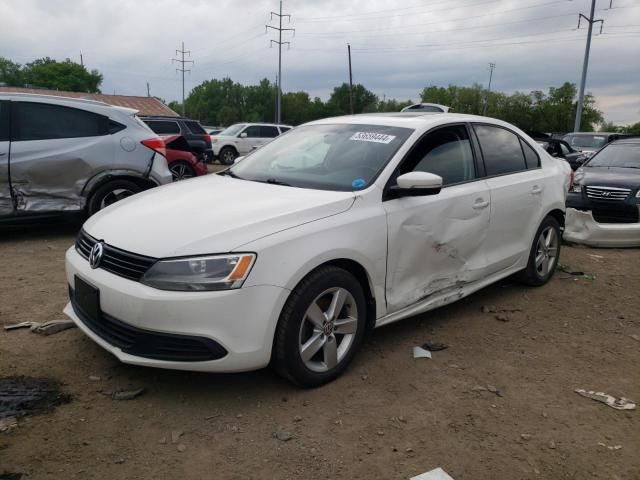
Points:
(419, 352)
(175, 435)
(281, 435)
(94, 378)
(552, 445)
(127, 394)
(617, 403)
(436, 474)
(434, 346)
(7, 423)
(46, 328)
(525, 436)
(182, 447)
(610, 447)
(567, 269)
(635, 337)
(502, 318)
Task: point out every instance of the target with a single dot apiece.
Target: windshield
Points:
(233, 130)
(617, 155)
(325, 157)
(585, 141)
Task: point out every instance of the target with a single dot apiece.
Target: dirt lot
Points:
(388, 417)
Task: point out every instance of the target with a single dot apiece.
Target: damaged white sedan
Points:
(340, 226)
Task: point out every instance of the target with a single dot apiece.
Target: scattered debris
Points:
(567, 269)
(552, 445)
(488, 388)
(119, 461)
(297, 418)
(94, 378)
(419, 352)
(436, 474)
(598, 257)
(492, 309)
(281, 434)
(127, 394)
(182, 447)
(46, 328)
(610, 447)
(617, 403)
(21, 396)
(175, 435)
(434, 346)
(7, 423)
(493, 389)
(502, 318)
(525, 436)
(635, 337)
(381, 433)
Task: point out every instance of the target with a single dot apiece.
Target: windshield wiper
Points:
(229, 173)
(275, 181)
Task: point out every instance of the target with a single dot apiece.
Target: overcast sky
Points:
(398, 46)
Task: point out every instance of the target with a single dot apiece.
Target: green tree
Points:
(364, 100)
(10, 73)
(65, 75)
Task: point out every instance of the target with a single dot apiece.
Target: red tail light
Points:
(207, 137)
(157, 145)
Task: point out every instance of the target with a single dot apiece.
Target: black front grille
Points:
(149, 344)
(119, 262)
(621, 214)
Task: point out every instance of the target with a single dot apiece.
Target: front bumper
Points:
(242, 322)
(580, 227)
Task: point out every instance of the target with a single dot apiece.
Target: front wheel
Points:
(544, 254)
(181, 171)
(110, 193)
(228, 155)
(320, 328)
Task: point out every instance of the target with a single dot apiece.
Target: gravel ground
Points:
(499, 403)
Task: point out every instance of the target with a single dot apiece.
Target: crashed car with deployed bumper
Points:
(339, 226)
(603, 205)
(66, 155)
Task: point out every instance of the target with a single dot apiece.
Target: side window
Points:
(530, 156)
(267, 131)
(284, 129)
(501, 150)
(163, 127)
(195, 128)
(446, 152)
(4, 121)
(42, 121)
(252, 131)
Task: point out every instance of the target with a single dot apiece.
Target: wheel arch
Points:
(559, 215)
(101, 179)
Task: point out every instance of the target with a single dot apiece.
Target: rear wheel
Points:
(320, 328)
(228, 155)
(544, 254)
(181, 171)
(110, 193)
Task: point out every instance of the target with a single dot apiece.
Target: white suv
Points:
(337, 227)
(242, 138)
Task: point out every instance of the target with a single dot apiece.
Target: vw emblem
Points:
(95, 257)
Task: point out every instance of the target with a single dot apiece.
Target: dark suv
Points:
(198, 139)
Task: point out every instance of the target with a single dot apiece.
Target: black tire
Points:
(227, 155)
(181, 170)
(286, 357)
(532, 275)
(110, 193)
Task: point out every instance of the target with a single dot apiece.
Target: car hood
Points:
(609, 177)
(211, 214)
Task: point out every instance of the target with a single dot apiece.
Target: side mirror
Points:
(237, 160)
(243, 135)
(415, 184)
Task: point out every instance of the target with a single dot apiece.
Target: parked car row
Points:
(242, 138)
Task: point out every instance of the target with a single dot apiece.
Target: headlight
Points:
(576, 188)
(214, 140)
(196, 274)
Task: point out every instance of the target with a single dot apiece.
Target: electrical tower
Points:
(182, 63)
(486, 100)
(585, 65)
(279, 42)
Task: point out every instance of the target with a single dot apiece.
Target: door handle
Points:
(536, 190)
(3, 154)
(480, 203)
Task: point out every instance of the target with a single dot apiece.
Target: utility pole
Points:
(486, 101)
(276, 106)
(81, 60)
(585, 65)
(279, 42)
(350, 81)
(182, 63)
(148, 90)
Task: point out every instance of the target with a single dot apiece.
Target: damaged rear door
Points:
(53, 149)
(437, 243)
(6, 201)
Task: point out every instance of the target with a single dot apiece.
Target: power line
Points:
(182, 63)
(279, 42)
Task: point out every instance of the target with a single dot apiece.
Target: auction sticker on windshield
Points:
(372, 137)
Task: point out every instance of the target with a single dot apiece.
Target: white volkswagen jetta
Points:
(342, 225)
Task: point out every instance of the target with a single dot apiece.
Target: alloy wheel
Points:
(181, 171)
(328, 329)
(547, 251)
(114, 196)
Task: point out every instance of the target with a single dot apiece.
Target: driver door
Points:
(436, 243)
(6, 200)
(249, 137)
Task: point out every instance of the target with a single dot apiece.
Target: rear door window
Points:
(195, 128)
(163, 127)
(252, 131)
(530, 156)
(267, 131)
(501, 150)
(42, 121)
